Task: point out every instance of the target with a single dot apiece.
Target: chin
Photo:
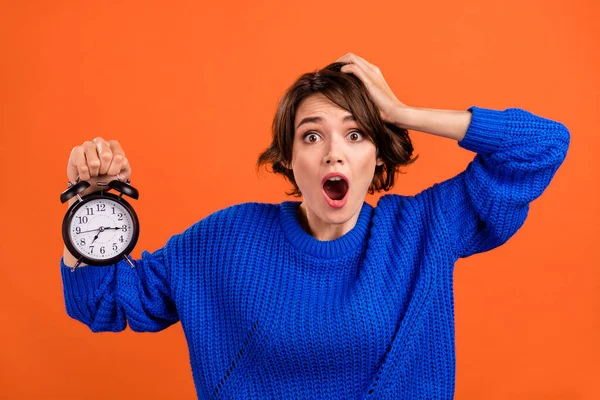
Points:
(340, 215)
(337, 219)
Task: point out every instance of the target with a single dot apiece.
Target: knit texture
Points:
(270, 312)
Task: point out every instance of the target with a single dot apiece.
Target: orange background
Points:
(190, 91)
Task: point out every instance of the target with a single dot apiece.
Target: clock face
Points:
(102, 228)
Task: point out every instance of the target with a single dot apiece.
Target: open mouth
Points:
(335, 188)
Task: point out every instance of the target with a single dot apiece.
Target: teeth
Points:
(335, 178)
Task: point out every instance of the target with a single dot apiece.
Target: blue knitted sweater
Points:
(268, 311)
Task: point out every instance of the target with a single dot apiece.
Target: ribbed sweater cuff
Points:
(84, 281)
(486, 132)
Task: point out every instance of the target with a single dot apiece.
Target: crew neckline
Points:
(350, 242)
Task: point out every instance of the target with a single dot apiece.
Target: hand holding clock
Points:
(97, 160)
(91, 163)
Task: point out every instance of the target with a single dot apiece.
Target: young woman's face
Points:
(327, 140)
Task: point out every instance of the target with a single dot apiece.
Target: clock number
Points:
(102, 250)
(124, 228)
(90, 210)
(121, 239)
(83, 219)
(120, 216)
(101, 207)
(92, 247)
(77, 229)
(113, 210)
(115, 246)
(82, 242)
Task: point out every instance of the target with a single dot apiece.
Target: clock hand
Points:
(96, 237)
(101, 229)
(92, 230)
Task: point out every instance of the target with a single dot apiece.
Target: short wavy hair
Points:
(348, 92)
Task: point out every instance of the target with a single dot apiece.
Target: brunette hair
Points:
(348, 92)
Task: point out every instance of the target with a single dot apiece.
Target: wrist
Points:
(402, 116)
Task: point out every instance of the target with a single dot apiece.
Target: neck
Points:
(322, 230)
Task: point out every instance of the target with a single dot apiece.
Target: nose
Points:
(334, 155)
(333, 158)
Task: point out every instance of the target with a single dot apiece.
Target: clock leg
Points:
(129, 261)
(76, 264)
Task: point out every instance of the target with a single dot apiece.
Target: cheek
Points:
(306, 172)
(367, 170)
(305, 158)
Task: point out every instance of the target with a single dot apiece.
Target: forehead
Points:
(317, 105)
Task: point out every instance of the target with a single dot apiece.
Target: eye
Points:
(358, 134)
(355, 136)
(308, 134)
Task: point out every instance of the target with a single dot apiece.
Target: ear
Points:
(379, 159)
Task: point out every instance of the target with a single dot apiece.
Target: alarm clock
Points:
(101, 228)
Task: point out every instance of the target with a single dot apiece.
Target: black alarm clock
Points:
(101, 228)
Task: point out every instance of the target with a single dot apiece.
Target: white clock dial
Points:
(101, 229)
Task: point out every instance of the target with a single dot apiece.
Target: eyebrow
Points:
(306, 120)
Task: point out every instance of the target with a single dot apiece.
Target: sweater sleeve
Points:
(107, 298)
(518, 154)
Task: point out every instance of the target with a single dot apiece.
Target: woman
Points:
(330, 297)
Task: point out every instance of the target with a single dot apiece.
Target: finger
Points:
(104, 154)
(357, 71)
(372, 67)
(117, 158)
(342, 58)
(91, 158)
(77, 165)
(353, 58)
(345, 58)
(125, 172)
(366, 76)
